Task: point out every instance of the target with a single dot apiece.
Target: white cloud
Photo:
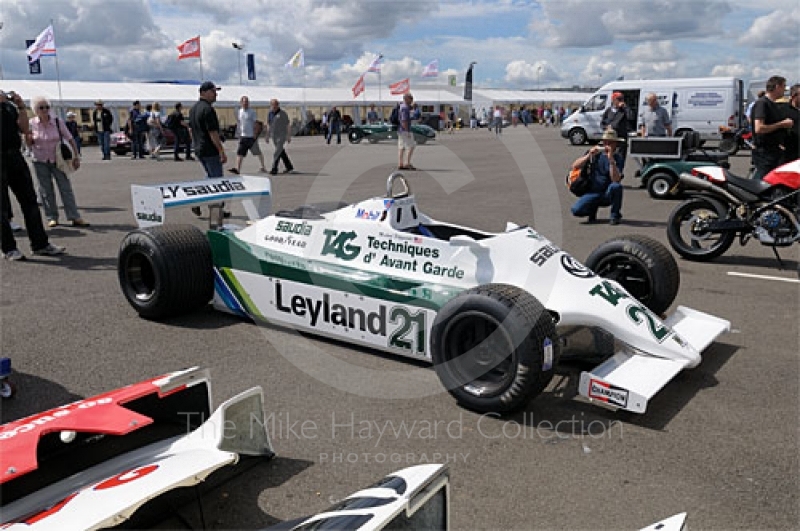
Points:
(576, 23)
(654, 52)
(779, 29)
(526, 75)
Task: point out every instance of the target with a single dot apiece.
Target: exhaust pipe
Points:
(697, 183)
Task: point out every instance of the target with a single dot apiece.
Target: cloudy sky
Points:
(516, 43)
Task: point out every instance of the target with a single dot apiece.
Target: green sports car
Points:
(386, 131)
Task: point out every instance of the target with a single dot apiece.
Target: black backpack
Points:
(579, 180)
(394, 118)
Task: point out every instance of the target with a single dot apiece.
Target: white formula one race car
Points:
(486, 309)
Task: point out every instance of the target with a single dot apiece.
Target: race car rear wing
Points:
(151, 202)
(93, 463)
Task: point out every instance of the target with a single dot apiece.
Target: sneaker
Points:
(196, 211)
(615, 221)
(233, 171)
(189, 157)
(50, 250)
(273, 172)
(80, 223)
(263, 170)
(14, 255)
(16, 227)
(52, 223)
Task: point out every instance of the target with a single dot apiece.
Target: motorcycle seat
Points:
(754, 186)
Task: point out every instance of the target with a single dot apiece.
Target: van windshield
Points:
(597, 103)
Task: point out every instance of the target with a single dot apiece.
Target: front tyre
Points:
(687, 229)
(577, 136)
(166, 271)
(641, 265)
(494, 347)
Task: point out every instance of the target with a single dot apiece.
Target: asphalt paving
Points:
(719, 442)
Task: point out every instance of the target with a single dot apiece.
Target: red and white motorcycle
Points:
(705, 226)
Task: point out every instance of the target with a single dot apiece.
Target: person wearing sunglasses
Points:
(45, 135)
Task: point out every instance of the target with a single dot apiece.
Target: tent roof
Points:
(84, 94)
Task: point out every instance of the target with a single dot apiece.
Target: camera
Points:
(11, 94)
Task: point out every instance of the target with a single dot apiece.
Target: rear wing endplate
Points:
(151, 202)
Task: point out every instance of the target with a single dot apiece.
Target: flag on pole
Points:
(44, 45)
(432, 70)
(359, 87)
(401, 87)
(298, 60)
(190, 48)
(375, 65)
(468, 83)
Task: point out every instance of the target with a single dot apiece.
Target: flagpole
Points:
(58, 72)
(201, 66)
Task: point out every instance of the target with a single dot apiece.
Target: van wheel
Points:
(494, 347)
(659, 184)
(166, 271)
(577, 136)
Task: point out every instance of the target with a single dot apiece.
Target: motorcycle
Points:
(706, 225)
(735, 139)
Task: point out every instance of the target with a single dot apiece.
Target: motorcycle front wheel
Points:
(687, 229)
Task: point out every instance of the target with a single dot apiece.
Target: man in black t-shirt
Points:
(176, 124)
(205, 131)
(791, 109)
(769, 127)
(15, 175)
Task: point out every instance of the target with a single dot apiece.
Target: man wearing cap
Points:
(616, 116)
(606, 189)
(204, 125)
(103, 122)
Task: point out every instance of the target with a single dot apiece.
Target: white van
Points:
(695, 104)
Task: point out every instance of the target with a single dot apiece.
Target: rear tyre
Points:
(494, 347)
(687, 229)
(729, 145)
(659, 185)
(354, 136)
(166, 271)
(641, 265)
(577, 136)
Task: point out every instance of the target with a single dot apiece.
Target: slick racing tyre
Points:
(494, 347)
(354, 136)
(641, 265)
(687, 233)
(659, 185)
(166, 271)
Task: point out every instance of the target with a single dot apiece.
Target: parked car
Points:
(385, 131)
(121, 143)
